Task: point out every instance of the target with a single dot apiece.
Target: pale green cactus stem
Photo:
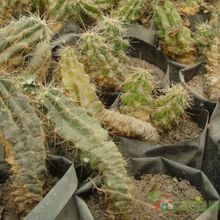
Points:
(170, 107)
(99, 61)
(136, 99)
(175, 39)
(73, 124)
(114, 32)
(84, 93)
(26, 37)
(23, 141)
(129, 11)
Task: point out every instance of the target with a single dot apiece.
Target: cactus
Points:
(175, 39)
(83, 11)
(169, 107)
(204, 35)
(213, 53)
(23, 141)
(83, 92)
(28, 37)
(129, 11)
(113, 31)
(98, 58)
(137, 97)
(104, 4)
(75, 125)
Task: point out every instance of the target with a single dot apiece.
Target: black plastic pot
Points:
(189, 152)
(156, 165)
(61, 202)
(185, 75)
(211, 161)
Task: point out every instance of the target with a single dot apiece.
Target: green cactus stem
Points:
(81, 90)
(114, 32)
(76, 126)
(23, 141)
(129, 11)
(99, 61)
(136, 99)
(169, 108)
(213, 53)
(104, 5)
(28, 37)
(175, 39)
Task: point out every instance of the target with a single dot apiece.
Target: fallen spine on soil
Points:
(23, 141)
(73, 124)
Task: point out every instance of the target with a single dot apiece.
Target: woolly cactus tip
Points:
(169, 107)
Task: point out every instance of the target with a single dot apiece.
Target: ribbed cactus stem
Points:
(175, 39)
(23, 141)
(98, 58)
(136, 99)
(170, 107)
(75, 125)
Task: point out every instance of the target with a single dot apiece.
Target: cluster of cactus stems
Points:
(29, 37)
(75, 81)
(74, 124)
(23, 141)
(170, 107)
(136, 98)
(175, 39)
(99, 61)
(129, 11)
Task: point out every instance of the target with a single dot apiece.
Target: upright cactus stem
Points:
(170, 107)
(100, 63)
(23, 141)
(136, 99)
(75, 125)
(175, 39)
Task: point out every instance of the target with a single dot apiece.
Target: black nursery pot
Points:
(188, 152)
(61, 203)
(185, 75)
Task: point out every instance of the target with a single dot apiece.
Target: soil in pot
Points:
(157, 197)
(7, 208)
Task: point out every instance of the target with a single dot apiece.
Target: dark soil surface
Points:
(186, 129)
(7, 208)
(156, 197)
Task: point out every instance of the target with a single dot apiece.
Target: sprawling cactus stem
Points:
(99, 60)
(83, 11)
(175, 39)
(204, 35)
(113, 31)
(77, 83)
(29, 36)
(137, 97)
(170, 107)
(212, 54)
(129, 11)
(23, 141)
(75, 125)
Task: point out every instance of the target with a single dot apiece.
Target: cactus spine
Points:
(77, 83)
(170, 107)
(23, 141)
(99, 60)
(175, 39)
(18, 41)
(137, 97)
(76, 126)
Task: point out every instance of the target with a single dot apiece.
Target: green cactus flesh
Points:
(81, 90)
(73, 124)
(27, 37)
(113, 31)
(99, 60)
(170, 107)
(175, 38)
(22, 137)
(83, 11)
(128, 11)
(137, 97)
